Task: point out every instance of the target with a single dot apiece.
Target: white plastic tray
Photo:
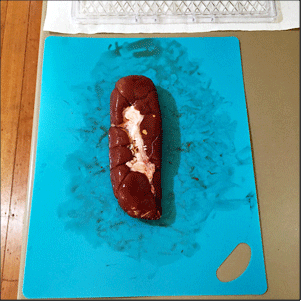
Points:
(126, 12)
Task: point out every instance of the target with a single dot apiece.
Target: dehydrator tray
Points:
(128, 12)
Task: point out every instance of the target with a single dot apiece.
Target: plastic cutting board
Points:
(80, 243)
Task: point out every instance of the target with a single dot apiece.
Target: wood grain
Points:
(12, 68)
(4, 221)
(9, 289)
(21, 167)
(3, 18)
(20, 31)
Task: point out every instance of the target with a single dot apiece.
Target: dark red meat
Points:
(138, 189)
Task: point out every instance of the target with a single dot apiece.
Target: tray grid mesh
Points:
(199, 9)
(172, 7)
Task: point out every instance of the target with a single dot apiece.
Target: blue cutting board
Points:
(80, 243)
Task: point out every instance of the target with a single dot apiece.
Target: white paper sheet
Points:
(59, 19)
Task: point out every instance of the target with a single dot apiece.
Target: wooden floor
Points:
(20, 32)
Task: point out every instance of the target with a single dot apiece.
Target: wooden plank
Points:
(12, 67)
(21, 168)
(3, 18)
(4, 221)
(18, 198)
(10, 270)
(9, 290)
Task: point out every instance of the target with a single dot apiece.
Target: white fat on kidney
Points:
(140, 162)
